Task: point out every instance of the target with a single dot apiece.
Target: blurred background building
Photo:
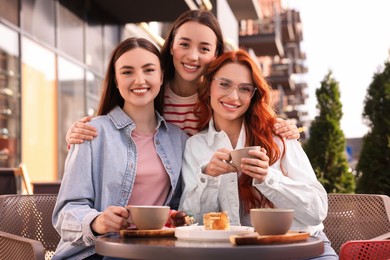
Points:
(53, 54)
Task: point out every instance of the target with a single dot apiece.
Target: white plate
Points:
(199, 233)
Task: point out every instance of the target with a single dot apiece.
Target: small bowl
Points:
(238, 154)
(271, 221)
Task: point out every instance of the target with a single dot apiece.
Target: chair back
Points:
(356, 217)
(365, 249)
(8, 183)
(52, 187)
(30, 216)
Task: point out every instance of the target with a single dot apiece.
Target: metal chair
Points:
(357, 217)
(8, 176)
(16, 247)
(365, 250)
(30, 217)
(8, 182)
(52, 187)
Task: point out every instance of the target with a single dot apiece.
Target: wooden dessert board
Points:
(168, 232)
(254, 239)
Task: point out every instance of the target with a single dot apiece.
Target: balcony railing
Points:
(287, 26)
(281, 76)
(263, 36)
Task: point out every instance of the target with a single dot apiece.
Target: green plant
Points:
(374, 163)
(326, 144)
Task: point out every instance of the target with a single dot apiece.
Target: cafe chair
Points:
(8, 180)
(17, 247)
(25, 222)
(357, 217)
(52, 187)
(365, 250)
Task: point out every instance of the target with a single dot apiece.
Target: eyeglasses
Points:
(244, 90)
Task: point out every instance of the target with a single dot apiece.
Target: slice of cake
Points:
(216, 221)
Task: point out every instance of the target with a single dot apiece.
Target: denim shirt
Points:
(101, 173)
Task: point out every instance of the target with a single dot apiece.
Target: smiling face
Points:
(193, 48)
(139, 77)
(228, 109)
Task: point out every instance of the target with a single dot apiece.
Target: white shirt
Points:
(299, 190)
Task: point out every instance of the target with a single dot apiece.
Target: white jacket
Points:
(299, 190)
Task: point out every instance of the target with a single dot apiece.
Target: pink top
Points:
(180, 111)
(152, 183)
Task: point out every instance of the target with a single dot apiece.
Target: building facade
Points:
(53, 55)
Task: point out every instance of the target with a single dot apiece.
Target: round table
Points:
(172, 248)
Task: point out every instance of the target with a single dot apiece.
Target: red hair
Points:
(259, 120)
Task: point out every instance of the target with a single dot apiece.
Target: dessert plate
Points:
(198, 233)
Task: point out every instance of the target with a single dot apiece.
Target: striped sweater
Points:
(180, 111)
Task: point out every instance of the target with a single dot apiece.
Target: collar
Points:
(212, 135)
(121, 120)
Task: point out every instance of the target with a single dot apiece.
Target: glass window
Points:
(94, 46)
(110, 40)
(93, 93)
(39, 112)
(70, 33)
(38, 19)
(9, 9)
(9, 98)
(71, 102)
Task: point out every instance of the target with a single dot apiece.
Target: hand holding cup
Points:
(112, 219)
(251, 160)
(219, 163)
(238, 154)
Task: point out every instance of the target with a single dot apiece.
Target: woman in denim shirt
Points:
(136, 160)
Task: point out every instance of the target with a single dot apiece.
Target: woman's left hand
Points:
(256, 167)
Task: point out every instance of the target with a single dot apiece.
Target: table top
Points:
(172, 248)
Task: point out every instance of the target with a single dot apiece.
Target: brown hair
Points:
(258, 119)
(111, 96)
(200, 16)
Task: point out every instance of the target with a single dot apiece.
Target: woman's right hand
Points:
(219, 163)
(112, 219)
(80, 131)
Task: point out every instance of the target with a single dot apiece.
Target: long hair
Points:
(259, 120)
(204, 17)
(111, 96)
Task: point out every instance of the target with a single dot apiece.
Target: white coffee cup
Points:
(148, 217)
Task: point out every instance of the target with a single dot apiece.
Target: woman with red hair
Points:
(235, 110)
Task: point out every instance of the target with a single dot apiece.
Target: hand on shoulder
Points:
(80, 131)
(286, 128)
